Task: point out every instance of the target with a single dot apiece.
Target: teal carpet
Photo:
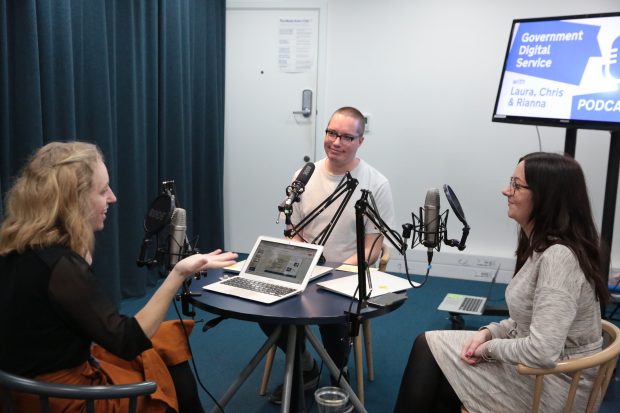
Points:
(222, 352)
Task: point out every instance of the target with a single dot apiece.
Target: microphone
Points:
(613, 65)
(294, 190)
(176, 246)
(157, 217)
(430, 229)
(431, 221)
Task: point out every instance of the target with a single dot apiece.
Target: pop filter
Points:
(454, 204)
(159, 214)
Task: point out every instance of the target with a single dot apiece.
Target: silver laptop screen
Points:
(281, 261)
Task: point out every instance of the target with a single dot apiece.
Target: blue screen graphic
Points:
(562, 70)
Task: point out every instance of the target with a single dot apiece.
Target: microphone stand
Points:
(460, 245)
(186, 307)
(458, 211)
(162, 216)
(365, 209)
(346, 187)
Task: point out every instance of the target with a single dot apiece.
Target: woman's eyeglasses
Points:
(344, 137)
(515, 186)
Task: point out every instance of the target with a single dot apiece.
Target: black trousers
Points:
(424, 388)
(185, 386)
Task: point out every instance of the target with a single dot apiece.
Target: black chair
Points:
(45, 390)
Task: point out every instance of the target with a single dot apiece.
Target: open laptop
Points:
(467, 304)
(274, 270)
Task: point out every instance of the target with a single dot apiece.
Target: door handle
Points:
(306, 104)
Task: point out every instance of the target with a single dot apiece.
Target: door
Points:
(271, 59)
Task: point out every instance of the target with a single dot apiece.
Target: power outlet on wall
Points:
(367, 122)
(486, 263)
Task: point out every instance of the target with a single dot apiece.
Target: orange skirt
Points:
(169, 348)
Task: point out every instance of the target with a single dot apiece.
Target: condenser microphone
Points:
(431, 221)
(177, 236)
(294, 190)
(299, 185)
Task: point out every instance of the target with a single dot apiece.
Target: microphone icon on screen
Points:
(612, 67)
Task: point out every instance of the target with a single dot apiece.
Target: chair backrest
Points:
(384, 258)
(45, 390)
(606, 359)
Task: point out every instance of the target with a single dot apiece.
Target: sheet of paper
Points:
(295, 45)
(382, 283)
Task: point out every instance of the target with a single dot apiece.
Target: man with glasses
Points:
(343, 137)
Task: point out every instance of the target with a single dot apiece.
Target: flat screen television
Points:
(562, 71)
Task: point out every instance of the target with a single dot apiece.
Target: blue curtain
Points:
(142, 79)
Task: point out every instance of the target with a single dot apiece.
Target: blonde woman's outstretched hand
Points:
(200, 262)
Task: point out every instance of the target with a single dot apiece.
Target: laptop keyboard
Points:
(470, 304)
(258, 286)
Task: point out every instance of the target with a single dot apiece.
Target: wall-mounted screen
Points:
(562, 71)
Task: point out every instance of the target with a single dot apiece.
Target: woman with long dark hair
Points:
(554, 301)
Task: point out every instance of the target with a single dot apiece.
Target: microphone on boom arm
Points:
(295, 189)
(432, 222)
(430, 229)
(177, 243)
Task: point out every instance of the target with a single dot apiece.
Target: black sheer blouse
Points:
(52, 309)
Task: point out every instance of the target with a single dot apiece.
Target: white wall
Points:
(427, 72)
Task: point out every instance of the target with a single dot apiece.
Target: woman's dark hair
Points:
(561, 214)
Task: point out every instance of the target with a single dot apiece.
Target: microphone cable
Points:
(428, 269)
(191, 352)
(420, 285)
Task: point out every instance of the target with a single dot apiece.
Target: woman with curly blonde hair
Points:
(57, 203)
(53, 186)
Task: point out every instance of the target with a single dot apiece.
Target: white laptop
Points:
(275, 269)
(467, 304)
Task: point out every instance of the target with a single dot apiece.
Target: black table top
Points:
(314, 306)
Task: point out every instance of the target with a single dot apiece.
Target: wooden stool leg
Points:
(368, 348)
(267, 371)
(359, 367)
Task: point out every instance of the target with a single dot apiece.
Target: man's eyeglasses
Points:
(515, 186)
(344, 137)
